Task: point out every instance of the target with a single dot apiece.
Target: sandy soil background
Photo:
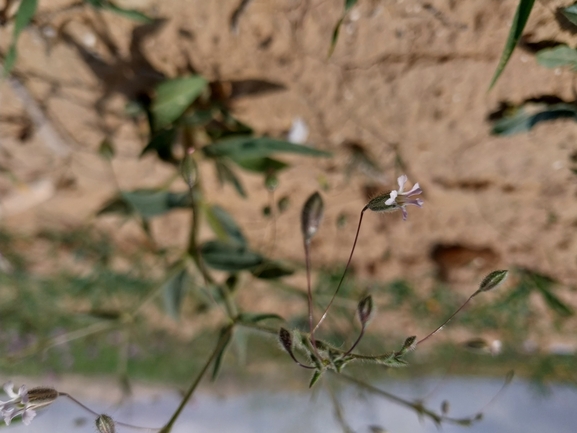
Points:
(407, 81)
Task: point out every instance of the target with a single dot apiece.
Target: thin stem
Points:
(310, 296)
(344, 273)
(223, 340)
(357, 341)
(417, 407)
(96, 414)
(445, 322)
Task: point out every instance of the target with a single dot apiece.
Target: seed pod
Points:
(105, 424)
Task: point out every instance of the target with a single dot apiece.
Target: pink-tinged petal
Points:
(390, 201)
(405, 214)
(9, 389)
(416, 189)
(402, 180)
(28, 416)
(415, 202)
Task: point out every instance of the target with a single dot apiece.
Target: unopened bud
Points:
(105, 424)
(188, 169)
(286, 340)
(365, 309)
(311, 216)
(491, 281)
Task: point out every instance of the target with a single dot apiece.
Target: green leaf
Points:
(197, 118)
(223, 225)
(239, 148)
(570, 13)
(226, 175)
(261, 165)
(335, 37)
(173, 291)
(225, 335)
(558, 57)
(519, 22)
(552, 301)
(229, 257)
(131, 14)
(127, 13)
(173, 97)
(349, 4)
(116, 205)
(151, 203)
(316, 376)
(162, 143)
(24, 15)
(269, 270)
(523, 120)
(255, 318)
(147, 203)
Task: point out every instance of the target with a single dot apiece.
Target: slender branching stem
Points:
(359, 338)
(344, 273)
(96, 414)
(222, 341)
(445, 322)
(310, 297)
(416, 406)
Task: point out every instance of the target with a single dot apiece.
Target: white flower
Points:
(399, 199)
(23, 403)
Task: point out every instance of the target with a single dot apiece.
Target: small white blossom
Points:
(18, 404)
(24, 402)
(399, 199)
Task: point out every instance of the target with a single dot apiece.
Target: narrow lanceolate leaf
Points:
(127, 13)
(149, 203)
(225, 335)
(173, 97)
(239, 148)
(316, 376)
(173, 292)
(491, 281)
(349, 4)
(24, 15)
(558, 57)
(311, 216)
(525, 118)
(255, 317)
(519, 22)
(226, 175)
(270, 269)
(570, 13)
(223, 225)
(229, 257)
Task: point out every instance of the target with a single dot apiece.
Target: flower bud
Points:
(105, 424)
(311, 216)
